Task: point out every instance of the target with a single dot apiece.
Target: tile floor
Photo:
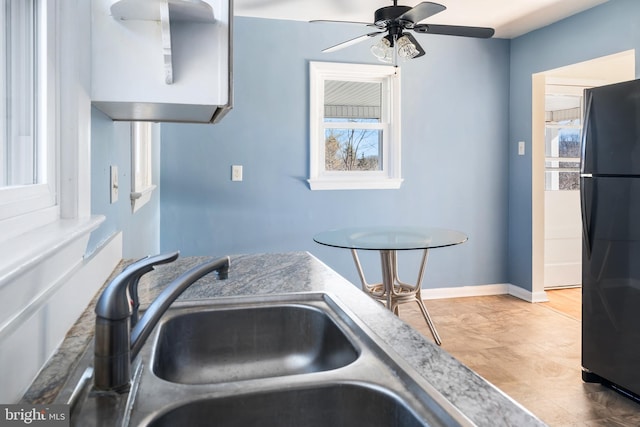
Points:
(529, 351)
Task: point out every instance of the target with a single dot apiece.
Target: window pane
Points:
(141, 155)
(562, 153)
(352, 100)
(353, 149)
(18, 90)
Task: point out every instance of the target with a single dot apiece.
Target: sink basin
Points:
(268, 360)
(332, 405)
(214, 346)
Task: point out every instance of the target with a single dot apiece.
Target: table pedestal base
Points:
(393, 292)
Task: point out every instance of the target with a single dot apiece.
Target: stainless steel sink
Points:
(205, 346)
(327, 405)
(286, 360)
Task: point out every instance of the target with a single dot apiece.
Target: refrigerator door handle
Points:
(585, 129)
(584, 193)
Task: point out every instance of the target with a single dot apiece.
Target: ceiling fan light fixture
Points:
(383, 50)
(395, 20)
(406, 49)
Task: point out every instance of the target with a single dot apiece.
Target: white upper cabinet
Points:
(162, 60)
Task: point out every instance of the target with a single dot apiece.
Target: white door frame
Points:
(608, 69)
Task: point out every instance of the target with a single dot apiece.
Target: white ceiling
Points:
(510, 18)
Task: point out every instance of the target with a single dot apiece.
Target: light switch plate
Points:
(521, 148)
(114, 184)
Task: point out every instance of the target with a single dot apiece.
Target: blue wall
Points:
(111, 145)
(604, 30)
(454, 156)
(465, 106)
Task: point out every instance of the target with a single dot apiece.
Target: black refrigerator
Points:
(610, 202)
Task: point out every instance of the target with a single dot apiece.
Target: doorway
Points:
(562, 231)
(556, 124)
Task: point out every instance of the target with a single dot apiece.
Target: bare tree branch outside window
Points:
(352, 149)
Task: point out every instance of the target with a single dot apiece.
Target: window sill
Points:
(140, 198)
(355, 184)
(27, 251)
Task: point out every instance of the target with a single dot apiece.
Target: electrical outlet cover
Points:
(114, 184)
(236, 173)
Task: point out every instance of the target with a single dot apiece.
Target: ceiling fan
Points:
(396, 21)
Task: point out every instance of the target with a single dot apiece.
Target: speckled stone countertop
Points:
(262, 274)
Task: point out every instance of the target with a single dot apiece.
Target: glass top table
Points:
(388, 240)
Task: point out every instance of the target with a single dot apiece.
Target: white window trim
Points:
(68, 122)
(390, 175)
(140, 198)
(142, 137)
(29, 200)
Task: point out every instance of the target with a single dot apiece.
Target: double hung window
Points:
(27, 167)
(563, 127)
(355, 126)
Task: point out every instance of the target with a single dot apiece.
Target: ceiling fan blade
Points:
(421, 11)
(260, 3)
(351, 42)
(340, 22)
(455, 30)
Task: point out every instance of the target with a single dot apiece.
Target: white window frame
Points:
(389, 177)
(563, 88)
(141, 164)
(26, 206)
(47, 275)
(37, 221)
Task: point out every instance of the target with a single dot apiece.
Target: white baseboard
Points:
(465, 291)
(484, 290)
(529, 296)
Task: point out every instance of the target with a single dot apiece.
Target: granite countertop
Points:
(262, 274)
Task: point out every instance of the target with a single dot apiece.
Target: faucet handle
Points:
(114, 301)
(139, 269)
(145, 265)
